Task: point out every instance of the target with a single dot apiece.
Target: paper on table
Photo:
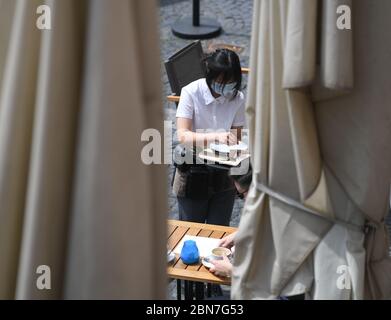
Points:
(205, 245)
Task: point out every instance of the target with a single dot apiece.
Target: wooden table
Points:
(193, 273)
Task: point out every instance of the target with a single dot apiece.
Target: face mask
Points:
(227, 92)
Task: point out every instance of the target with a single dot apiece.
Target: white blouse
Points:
(207, 112)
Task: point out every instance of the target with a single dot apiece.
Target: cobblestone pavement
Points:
(235, 17)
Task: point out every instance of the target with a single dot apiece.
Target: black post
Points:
(199, 291)
(179, 289)
(196, 13)
(209, 290)
(196, 27)
(191, 290)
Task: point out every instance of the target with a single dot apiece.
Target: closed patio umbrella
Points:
(319, 115)
(75, 196)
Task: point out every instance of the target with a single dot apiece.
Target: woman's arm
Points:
(187, 136)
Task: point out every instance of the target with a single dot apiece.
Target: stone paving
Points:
(235, 17)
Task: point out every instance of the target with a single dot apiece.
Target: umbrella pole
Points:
(196, 27)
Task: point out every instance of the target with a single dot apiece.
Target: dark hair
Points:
(223, 63)
(244, 180)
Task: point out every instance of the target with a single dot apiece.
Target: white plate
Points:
(170, 256)
(231, 163)
(224, 148)
(207, 265)
(241, 146)
(206, 262)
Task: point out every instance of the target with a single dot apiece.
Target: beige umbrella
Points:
(313, 222)
(74, 193)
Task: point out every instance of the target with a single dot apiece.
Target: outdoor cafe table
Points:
(197, 272)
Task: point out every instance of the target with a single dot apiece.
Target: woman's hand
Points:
(228, 241)
(187, 136)
(227, 138)
(222, 268)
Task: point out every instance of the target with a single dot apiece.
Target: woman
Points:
(224, 267)
(211, 109)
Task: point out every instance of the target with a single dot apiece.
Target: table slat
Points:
(176, 237)
(170, 230)
(197, 276)
(201, 226)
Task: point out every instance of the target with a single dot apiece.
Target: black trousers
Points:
(215, 209)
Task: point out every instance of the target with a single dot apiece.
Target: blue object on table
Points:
(189, 253)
